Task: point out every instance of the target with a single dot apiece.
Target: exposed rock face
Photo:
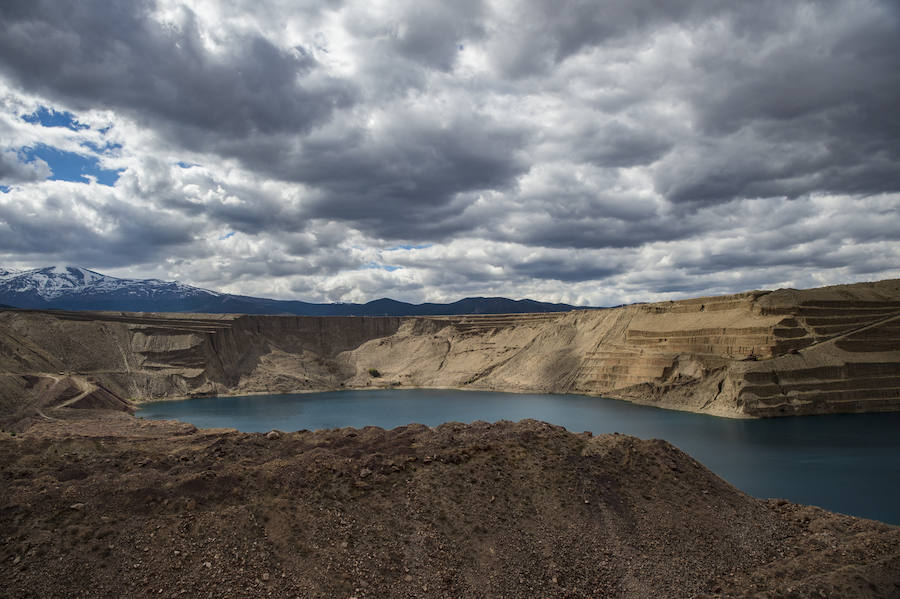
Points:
(125, 508)
(787, 352)
(753, 354)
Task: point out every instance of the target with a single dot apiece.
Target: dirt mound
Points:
(119, 507)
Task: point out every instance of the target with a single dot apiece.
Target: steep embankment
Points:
(834, 349)
(50, 360)
(126, 508)
(786, 352)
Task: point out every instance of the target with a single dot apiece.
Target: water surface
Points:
(845, 463)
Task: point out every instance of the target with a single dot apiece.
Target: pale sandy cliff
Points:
(760, 353)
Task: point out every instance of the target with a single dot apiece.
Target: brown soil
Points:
(104, 505)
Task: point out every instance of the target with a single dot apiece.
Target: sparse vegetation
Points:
(373, 372)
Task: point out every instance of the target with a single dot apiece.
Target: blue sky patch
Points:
(69, 166)
(48, 117)
(410, 247)
(4, 189)
(373, 266)
(226, 236)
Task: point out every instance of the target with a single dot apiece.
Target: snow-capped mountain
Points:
(52, 281)
(75, 288)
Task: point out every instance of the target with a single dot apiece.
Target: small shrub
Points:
(373, 372)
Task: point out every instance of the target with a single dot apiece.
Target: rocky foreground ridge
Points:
(113, 506)
(754, 354)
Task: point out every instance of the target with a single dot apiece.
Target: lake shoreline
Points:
(401, 387)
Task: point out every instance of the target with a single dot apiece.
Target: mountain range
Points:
(75, 288)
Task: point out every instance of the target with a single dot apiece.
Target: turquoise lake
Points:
(845, 463)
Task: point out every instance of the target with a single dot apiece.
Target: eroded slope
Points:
(834, 349)
(753, 354)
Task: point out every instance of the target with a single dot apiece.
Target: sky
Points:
(588, 152)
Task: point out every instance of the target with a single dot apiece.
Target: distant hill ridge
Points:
(75, 288)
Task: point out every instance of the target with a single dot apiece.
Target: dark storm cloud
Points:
(597, 232)
(815, 244)
(539, 35)
(251, 103)
(811, 109)
(572, 211)
(620, 145)
(427, 34)
(759, 110)
(96, 54)
(414, 164)
(408, 179)
(700, 142)
(126, 234)
(565, 269)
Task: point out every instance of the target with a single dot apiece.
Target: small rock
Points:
(77, 506)
(364, 472)
(265, 577)
(273, 435)
(207, 565)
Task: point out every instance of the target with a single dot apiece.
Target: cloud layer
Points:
(588, 152)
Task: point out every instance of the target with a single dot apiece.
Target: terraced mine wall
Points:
(755, 354)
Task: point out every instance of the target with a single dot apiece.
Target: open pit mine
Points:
(97, 503)
(755, 354)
